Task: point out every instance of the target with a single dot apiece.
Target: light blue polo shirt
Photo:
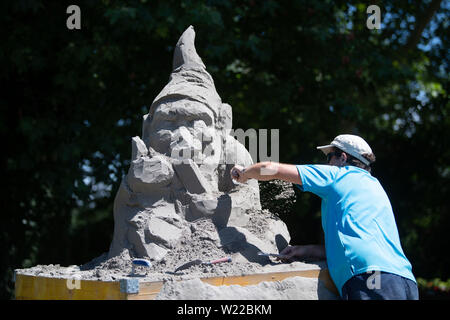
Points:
(360, 230)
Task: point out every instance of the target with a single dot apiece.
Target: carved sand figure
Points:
(180, 171)
(178, 203)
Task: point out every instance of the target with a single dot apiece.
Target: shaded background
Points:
(72, 99)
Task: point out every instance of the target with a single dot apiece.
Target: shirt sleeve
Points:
(317, 179)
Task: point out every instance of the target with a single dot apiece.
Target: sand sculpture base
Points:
(309, 284)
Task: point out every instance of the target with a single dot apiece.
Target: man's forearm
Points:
(315, 251)
(267, 170)
(262, 171)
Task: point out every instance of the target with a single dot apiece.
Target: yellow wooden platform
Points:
(41, 288)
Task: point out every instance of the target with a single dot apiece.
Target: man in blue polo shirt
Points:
(362, 246)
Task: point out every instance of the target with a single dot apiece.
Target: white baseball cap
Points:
(351, 144)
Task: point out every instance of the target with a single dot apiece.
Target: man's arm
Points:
(265, 171)
(312, 251)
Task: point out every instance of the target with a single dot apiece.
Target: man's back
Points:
(358, 222)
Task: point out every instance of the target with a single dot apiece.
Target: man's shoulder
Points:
(319, 167)
(317, 174)
(332, 173)
(353, 170)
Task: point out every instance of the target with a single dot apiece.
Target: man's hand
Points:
(303, 252)
(238, 174)
(292, 253)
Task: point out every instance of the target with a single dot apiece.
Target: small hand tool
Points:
(199, 262)
(141, 263)
(273, 255)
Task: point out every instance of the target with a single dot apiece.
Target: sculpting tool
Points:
(235, 174)
(273, 255)
(141, 263)
(199, 262)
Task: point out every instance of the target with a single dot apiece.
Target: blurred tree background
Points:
(72, 100)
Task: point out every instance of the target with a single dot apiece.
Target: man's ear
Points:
(343, 158)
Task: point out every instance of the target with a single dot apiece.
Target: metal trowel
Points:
(198, 262)
(236, 175)
(273, 255)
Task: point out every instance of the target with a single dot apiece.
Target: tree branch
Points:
(421, 23)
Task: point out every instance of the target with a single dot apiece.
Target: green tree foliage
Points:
(72, 99)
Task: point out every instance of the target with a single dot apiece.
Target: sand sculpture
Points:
(180, 172)
(178, 202)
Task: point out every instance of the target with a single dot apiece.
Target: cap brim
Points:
(326, 149)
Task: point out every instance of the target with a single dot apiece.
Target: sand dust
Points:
(295, 288)
(199, 244)
(202, 243)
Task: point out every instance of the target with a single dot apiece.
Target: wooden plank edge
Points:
(29, 287)
(151, 289)
(43, 288)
